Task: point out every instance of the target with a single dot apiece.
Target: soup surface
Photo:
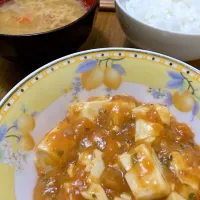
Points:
(35, 16)
(118, 149)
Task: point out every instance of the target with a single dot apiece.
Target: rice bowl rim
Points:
(119, 4)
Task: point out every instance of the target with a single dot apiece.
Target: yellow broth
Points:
(35, 16)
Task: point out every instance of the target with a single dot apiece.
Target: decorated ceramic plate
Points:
(35, 105)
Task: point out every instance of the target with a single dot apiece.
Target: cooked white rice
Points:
(173, 15)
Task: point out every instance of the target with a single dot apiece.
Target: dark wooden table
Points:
(107, 34)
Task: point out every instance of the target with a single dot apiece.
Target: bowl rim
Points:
(57, 29)
(119, 4)
(28, 77)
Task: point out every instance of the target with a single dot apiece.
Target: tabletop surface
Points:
(107, 34)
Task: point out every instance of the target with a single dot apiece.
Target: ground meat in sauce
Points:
(112, 133)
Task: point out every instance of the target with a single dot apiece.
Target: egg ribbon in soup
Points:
(34, 16)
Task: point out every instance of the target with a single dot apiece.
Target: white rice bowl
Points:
(173, 15)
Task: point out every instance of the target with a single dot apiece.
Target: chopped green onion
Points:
(135, 158)
(94, 196)
(60, 153)
(192, 196)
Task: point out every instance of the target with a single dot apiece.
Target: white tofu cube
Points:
(145, 178)
(123, 196)
(146, 130)
(94, 164)
(97, 168)
(126, 161)
(175, 196)
(95, 191)
(87, 109)
(140, 111)
(70, 170)
(47, 157)
(85, 158)
(183, 172)
(164, 113)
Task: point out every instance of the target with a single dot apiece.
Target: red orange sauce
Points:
(175, 137)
